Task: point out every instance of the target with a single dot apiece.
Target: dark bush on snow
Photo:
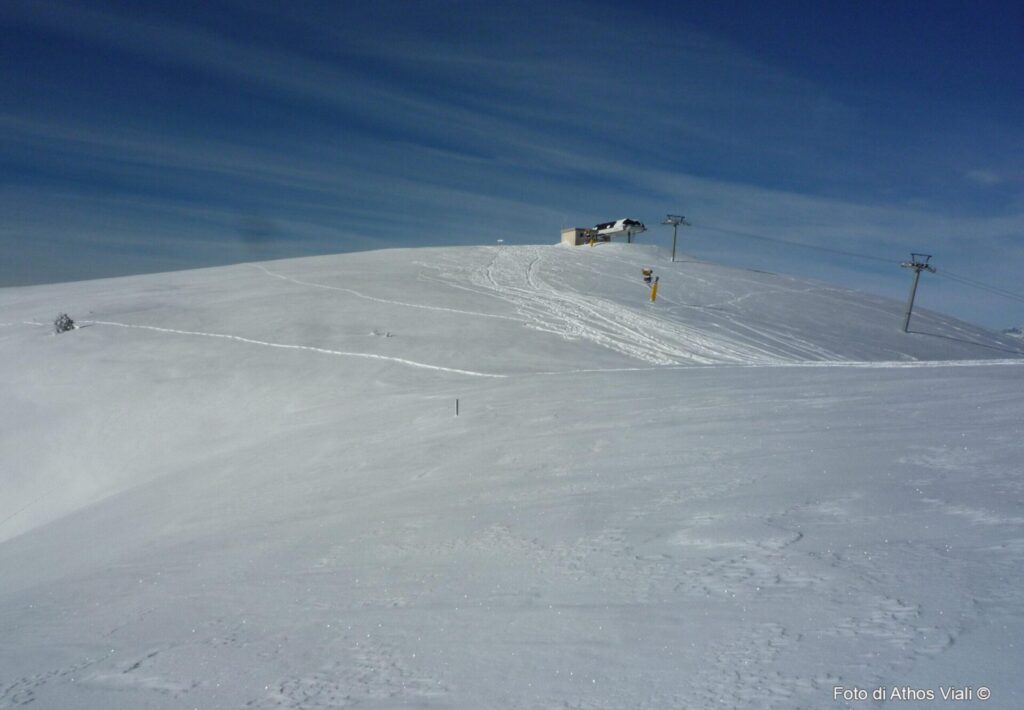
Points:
(63, 323)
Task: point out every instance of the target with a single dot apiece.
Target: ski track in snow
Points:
(24, 322)
(514, 276)
(390, 302)
(307, 348)
(883, 364)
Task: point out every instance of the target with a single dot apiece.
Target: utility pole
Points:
(675, 220)
(919, 263)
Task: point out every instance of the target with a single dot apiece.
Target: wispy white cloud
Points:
(986, 178)
(539, 80)
(505, 122)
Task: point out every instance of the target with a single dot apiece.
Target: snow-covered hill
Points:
(246, 487)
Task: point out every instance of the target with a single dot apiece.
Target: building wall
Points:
(575, 236)
(571, 236)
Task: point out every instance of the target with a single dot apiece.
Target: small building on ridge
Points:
(576, 236)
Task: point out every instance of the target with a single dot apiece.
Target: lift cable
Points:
(801, 245)
(984, 287)
(870, 257)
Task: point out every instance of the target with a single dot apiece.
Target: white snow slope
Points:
(245, 487)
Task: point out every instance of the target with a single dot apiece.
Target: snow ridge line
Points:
(22, 509)
(848, 364)
(898, 364)
(308, 348)
(383, 300)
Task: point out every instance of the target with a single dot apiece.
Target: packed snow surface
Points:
(246, 487)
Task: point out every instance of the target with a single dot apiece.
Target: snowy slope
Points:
(245, 487)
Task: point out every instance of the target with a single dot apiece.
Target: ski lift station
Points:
(604, 232)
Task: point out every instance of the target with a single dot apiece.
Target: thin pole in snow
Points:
(456, 406)
(919, 263)
(675, 220)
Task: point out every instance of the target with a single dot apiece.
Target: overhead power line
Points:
(995, 290)
(801, 245)
(982, 286)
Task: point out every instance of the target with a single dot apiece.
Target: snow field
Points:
(645, 510)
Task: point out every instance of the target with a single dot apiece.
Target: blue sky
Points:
(155, 136)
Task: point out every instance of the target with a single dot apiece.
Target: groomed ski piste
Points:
(246, 487)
